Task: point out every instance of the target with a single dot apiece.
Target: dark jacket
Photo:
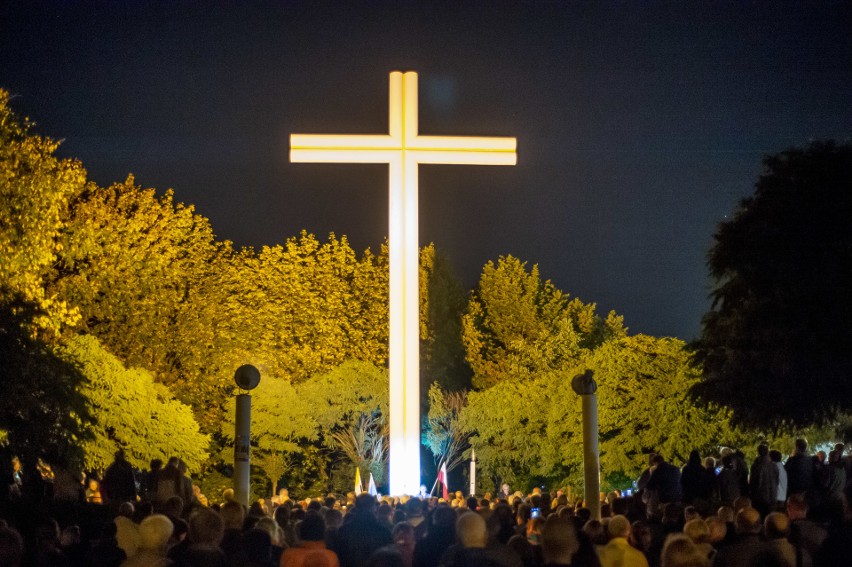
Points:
(800, 473)
(359, 538)
(665, 480)
(118, 484)
(763, 482)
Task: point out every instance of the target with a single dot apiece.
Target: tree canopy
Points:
(35, 188)
(531, 428)
(343, 411)
(43, 412)
(131, 412)
(133, 260)
(775, 345)
(517, 325)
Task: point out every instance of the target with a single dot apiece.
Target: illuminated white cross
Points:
(403, 149)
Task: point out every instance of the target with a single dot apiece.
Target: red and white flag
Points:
(442, 478)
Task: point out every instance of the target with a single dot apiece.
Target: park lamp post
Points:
(247, 378)
(584, 386)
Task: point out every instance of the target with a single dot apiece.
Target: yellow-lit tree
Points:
(328, 424)
(517, 325)
(531, 428)
(143, 272)
(131, 412)
(35, 188)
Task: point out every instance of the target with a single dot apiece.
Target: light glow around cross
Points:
(403, 149)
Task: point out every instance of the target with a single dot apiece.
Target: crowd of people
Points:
(705, 513)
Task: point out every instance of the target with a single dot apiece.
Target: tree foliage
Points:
(644, 405)
(35, 187)
(308, 306)
(775, 345)
(133, 260)
(443, 434)
(532, 428)
(517, 326)
(442, 304)
(131, 412)
(43, 411)
(342, 412)
(198, 309)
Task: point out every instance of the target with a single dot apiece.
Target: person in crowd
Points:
(781, 497)
(763, 481)
(728, 481)
(439, 536)
(698, 531)
(800, 470)
(680, 551)
(173, 508)
(168, 482)
(73, 547)
(404, 539)
(282, 518)
(640, 536)
(312, 550)
(234, 516)
(528, 546)
(119, 483)
(185, 485)
(105, 552)
(94, 495)
(470, 551)
(256, 549)
(776, 530)
(804, 532)
(559, 542)
(155, 531)
(642, 481)
(835, 476)
(748, 543)
(708, 486)
(362, 535)
(46, 550)
(276, 537)
(206, 530)
(742, 471)
(596, 533)
(690, 477)
(663, 486)
(618, 552)
(727, 515)
(717, 530)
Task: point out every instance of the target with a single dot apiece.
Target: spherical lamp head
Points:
(247, 377)
(584, 384)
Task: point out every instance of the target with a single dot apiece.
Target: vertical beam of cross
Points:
(403, 149)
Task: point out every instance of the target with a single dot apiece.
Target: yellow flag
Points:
(358, 488)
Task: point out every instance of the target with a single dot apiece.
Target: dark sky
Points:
(640, 125)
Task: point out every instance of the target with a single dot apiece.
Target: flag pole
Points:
(436, 476)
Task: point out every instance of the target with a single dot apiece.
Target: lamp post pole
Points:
(247, 377)
(584, 385)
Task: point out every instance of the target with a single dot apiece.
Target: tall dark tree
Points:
(776, 345)
(43, 414)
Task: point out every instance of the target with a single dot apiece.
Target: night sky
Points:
(639, 125)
